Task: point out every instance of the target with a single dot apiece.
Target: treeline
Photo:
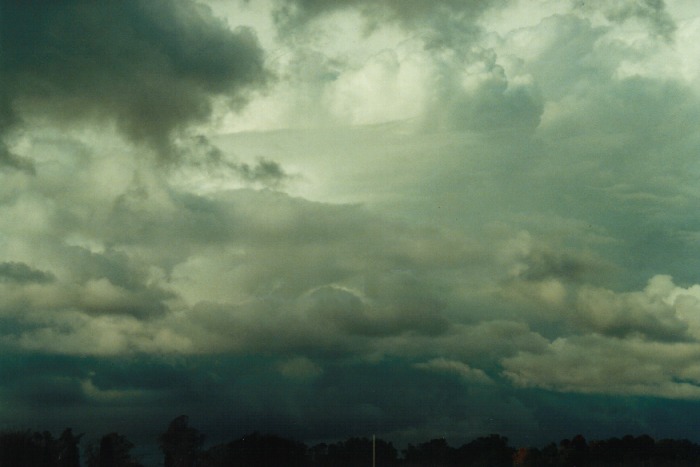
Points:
(24, 448)
(27, 449)
(629, 451)
(182, 446)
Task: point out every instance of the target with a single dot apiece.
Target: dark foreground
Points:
(182, 446)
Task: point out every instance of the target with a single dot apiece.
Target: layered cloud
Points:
(454, 200)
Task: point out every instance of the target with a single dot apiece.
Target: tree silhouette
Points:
(181, 446)
(67, 449)
(180, 443)
(256, 450)
(434, 453)
(575, 452)
(491, 451)
(528, 457)
(24, 448)
(353, 452)
(114, 451)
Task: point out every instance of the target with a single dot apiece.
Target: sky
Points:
(340, 218)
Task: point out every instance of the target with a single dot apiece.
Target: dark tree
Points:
(529, 457)
(180, 443)
(21, 448)
(575, 452)
(549, 455)
(113, 451)
(67, 449)
(318, 454)
(629, 451)
(255, 450)
(109, 447)
(434, 453)
(607, 452)
(640, 447)
(354, 452)
(24, 448)
(491, 451)
(679, 452)
(268, 451)
(386, 453)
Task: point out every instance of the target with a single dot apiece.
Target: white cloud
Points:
(74, 333)
(635, 343)
(106, 395)
(464, 371)
(598, 364)
(622, 314)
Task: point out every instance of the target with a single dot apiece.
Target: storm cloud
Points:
(150, 68)
(414, 219)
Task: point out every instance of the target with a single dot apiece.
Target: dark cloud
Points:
(409, 13)
(202, 154)
(652, 12)
(113, 283)
(98, 284)
(153, 67)
(264, 171)
(394, 305)
(22, 273)
(13, 161)
(42, 381)
(543, 264)
(495, 104)
(227, 397)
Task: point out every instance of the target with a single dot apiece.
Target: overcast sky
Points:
(337, 218)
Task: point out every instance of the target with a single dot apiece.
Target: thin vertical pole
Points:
(374, 451)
